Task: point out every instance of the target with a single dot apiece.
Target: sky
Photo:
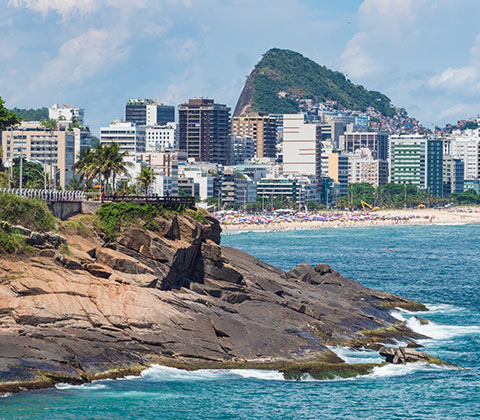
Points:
(97, 54)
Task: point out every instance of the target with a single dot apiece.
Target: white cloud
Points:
(465, 79)
(81, 57)
(355, 61)
(62, 7)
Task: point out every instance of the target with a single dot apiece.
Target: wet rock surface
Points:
(173, 296)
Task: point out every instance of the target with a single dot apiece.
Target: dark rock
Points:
(48, 253)
(402, 355)
(121, 262)
(98, 271)
(68, 262)
(323, 269)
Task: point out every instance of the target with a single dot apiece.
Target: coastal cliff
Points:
(85, 304)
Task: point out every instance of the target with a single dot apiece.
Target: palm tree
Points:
(111, 162)
(86, 166)
(145, 178)
(74, 184)
(103, 162)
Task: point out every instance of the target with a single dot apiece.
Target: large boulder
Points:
(121, 262)
(402, 355)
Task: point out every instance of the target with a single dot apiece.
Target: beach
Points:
(274, 222)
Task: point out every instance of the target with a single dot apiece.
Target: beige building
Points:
(338, 171)
(262, 128)
(54, 150)
(363, 168)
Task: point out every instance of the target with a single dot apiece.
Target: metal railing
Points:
(46, 195)
(164, 201)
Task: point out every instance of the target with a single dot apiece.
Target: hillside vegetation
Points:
(299, 77)
(32, 214)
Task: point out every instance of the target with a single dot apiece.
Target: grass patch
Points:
(33, 214)
(198, 215)
(77, 227)
(115, 216)
(13, 244)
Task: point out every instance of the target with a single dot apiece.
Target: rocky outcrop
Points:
(403, 355)
(89, 310)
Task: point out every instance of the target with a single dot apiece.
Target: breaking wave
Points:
(407, 369)
(87, 386)
(164, 373)
(352, 356)
(440, 331)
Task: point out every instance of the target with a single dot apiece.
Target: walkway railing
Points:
(165, 201)
(47, 195)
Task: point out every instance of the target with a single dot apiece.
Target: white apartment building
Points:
(301, 146)
(363, 168)
(468, 150)
(131, 138)
(66, 112)
(203, 179)
(165, 171)
(161, 137)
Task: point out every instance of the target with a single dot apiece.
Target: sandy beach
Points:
(455, 215)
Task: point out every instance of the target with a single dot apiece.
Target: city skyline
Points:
(98, 54)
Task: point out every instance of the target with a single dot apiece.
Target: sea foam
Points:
(440, 331)
(87, 386)
(406, 369)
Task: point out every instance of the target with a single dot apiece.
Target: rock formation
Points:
(88, 309)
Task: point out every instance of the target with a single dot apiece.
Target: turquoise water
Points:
(437, 265)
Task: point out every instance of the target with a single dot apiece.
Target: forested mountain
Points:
(282, 77)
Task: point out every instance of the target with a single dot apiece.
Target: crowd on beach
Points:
(236, 219)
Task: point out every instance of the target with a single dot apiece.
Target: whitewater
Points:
(437, 265)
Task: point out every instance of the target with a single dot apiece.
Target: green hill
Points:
(299, 77)
(32, 114)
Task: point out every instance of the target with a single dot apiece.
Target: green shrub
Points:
(13, 243)
(33, 214)
(198, 215)
(116, 215)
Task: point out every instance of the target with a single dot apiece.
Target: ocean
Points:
(436, 265)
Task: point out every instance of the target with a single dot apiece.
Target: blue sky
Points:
(96, 54)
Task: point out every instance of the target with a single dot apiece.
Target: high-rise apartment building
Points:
(434, 166)
(54, 150)
(302, 147)
(204, 130)
(417, 160)
(453, 175)
(161, 137)
(243, 149)
(262, 128)
(148, 112)
(363, 168)
(338, 171)
(130, 138)
(468, 150)
(350, 142)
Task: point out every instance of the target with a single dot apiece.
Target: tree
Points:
(75, 184)
(145, 178)
(33, 175)
(49, 123)
(32, 114)
(7, 118)
(111, 162)
(85, 166)
(105, 161)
